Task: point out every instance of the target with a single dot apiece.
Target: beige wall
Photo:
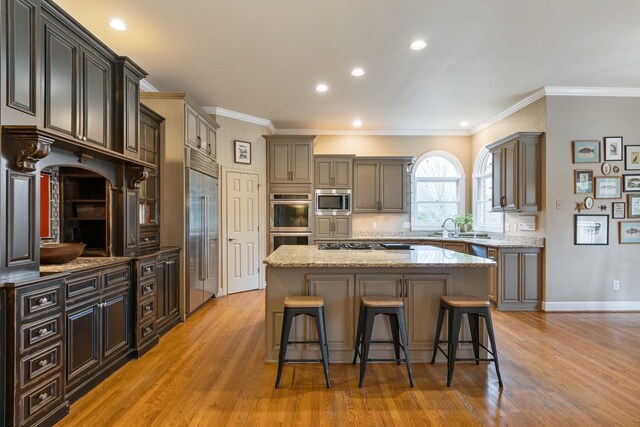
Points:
(532, 118)
(585, 273)
(415, 146)
(230, 130)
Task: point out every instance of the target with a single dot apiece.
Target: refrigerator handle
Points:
(203, 235)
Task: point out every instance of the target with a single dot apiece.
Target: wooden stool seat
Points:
(464, 301)
(382, 301)
(303, 301)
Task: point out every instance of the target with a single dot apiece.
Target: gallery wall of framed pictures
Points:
(603, 187)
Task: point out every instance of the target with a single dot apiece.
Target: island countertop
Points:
(417, 256)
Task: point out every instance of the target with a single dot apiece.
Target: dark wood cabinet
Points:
(83, 339)
(128, 107)
(168, 269)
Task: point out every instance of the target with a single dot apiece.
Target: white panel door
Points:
(242, 232)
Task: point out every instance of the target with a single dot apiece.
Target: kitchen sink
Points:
(465, 235)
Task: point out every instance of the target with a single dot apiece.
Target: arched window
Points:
(483, 218)
(438, 190)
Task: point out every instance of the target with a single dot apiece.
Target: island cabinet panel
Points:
(519, 279)
(422, 302)
(379, 285)
(492, 253)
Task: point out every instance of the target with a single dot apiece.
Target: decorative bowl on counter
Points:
(60, 253)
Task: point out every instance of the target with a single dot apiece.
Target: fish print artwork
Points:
(586, 151)
(630, 232)
(632, 157)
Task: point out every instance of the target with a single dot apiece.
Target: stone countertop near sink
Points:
(83, 263)
(418, 256)
(497, 240)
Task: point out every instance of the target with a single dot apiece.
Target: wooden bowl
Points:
(60, 253)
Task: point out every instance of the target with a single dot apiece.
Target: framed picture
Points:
(629, 231)
(631, 183)
(617, 210)
(607, 187)
(591, 229)
(632, 157)
(586, 151)
(588, 202)
(633, 205)
(606, 169)
(242, 152)
(583, 180)
(612, 148)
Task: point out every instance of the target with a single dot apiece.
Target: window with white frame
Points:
(438, 190)
(483, 218)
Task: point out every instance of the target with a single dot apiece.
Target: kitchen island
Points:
(419, 275)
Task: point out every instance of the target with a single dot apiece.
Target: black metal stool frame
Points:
(455, 322)
(288, 316)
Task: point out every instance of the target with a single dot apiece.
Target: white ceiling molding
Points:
(623, 92)
(373, 132)
(538, 94)
(145, 86)
(241, 116)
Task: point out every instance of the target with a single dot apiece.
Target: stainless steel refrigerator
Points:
(202, 251)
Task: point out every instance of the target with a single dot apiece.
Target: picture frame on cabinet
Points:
(607, 187)
(631, 183)
(618, 210)
(633, 205)
(629, 232)
(632, 157)
(612, 148)
(242, 152)
(591, 230)
(586, 151)
(583, 181)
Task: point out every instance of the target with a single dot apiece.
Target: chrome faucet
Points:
(444, 223)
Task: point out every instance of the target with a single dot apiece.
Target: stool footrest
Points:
(303, 342)
(302, 360)
(386, 360)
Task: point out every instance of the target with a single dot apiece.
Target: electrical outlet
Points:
(558, 205)
(374, 225)
(406, 225)
(616, 285)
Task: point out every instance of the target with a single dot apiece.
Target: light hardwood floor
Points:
(560, 369)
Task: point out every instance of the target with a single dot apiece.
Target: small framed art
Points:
(607, 187)
(612, 148)
(629, 231)
(632, 157)
(591, 229)
(617, 210)
(631, 183)
(586, 151)
(583, 180)
(633, 205)
(588, 202)
(242, 151)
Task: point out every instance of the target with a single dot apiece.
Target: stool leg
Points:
(405, 343)
(359, 334)
(393, 324)
(454, 337)
(438, 331)
(492, 338)
(366, 343)
(474, 327)
(284, 340)
(322, 337)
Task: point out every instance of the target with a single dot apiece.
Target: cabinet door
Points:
(161, 292)
(528, 193)
(323, 228)
(191, 126)
(510, 179)
(115, 324)
(211, 139)
(324, 173)
(203, 134)
(61, 81)
(379, 285)
(392, 187)
(493, 275)
(342, 173)
(301, 162)
(95, 99)
(530, 277)
(509, 277)
(365, 187)
(172, 285)
(422, 303)
(279, 162)
(455, 246)
(342, 227)
(496, 180)
(83, 339)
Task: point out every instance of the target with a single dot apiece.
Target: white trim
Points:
(498, 228)
(145, 86)
(624, 92)
(240, 116)
(538, 94)
(373, 132)
(591, 306)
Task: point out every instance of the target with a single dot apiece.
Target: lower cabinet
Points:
(455, 246)
(168, 280)
(492, 253)
(518, 285)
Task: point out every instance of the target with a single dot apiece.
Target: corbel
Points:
(31, 149)
(141, 174)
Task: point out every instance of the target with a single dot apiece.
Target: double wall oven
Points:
(290, 219)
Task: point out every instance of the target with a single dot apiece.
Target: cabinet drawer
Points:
(34, 403)
(150, 239)
(147, 288)
(83, 285)
(148, 268)
(116, 277)
(146, 309)
(147, 331)
(41, 331)
(40, 301)
(39, 364)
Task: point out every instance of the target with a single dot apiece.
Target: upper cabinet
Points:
(290, 159)
(516, 172)
(380, 184)
(333, 171)
(200, 132)
(128, 108)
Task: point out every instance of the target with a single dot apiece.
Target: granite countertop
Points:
(496, 241)
(83, 263)
(418, 256)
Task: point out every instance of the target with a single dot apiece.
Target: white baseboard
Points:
(591, 306)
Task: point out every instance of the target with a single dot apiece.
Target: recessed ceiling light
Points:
(418, 45)
(117, 24)
(357, 123)
(357, 72)
(464, 123)
(322, 87)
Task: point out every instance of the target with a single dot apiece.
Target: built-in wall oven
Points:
(333, 202)
(290, 220)
(279, 239)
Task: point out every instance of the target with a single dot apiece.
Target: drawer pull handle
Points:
(147, 308)
(171, 262)
(43, 331)
(148, 269)
(43, 301)
(43, 363)
(42, 396)
(147, 329)
(147, 288)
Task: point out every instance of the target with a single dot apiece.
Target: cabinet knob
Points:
(43, 331)
(147, 329)
(43, 363)
(42, 396)
(147, 308)
(43, 301)
(84, 138)
(199, 142)
(147, 288)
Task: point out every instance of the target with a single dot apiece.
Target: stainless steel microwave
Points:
(333, 202)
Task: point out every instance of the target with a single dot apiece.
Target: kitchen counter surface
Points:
(496, 240)
(83, 263)
(418, 256)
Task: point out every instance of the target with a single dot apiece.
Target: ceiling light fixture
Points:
(357, 72)
(418, 45)
(322, 88)
(464, 123)
(117, 24)
(357, 123)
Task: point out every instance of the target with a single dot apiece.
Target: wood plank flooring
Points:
(560, 369)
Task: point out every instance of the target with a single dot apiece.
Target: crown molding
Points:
(241, 116)
(538, 94)
(373, 132)
(624, 92)
(145, 86)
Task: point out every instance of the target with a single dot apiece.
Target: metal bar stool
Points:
(311, 306)
(370, 307)
(474, 308)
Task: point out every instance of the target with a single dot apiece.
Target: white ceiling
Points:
(265, 57)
